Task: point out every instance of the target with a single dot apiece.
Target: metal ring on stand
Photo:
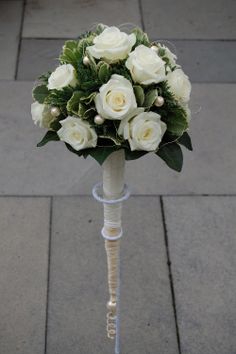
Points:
(97, 186)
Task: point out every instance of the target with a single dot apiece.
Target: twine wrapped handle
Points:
(113, 186)
(114, 193)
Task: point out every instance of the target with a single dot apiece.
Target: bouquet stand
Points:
(114, 193)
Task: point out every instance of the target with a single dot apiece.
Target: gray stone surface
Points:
(78, 290)
(202, 60)
(210, 168)
(10, 20)
(202, 246)
(38, 56)
(186, 19)
(66, 19)
(24, 224)
(206, 61)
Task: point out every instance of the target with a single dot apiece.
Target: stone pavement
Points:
(178, 255)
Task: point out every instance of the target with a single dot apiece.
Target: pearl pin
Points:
(111, 306)
(86, 60)
(98, 119)
(154, 47)
(159, 101)
(55, 111)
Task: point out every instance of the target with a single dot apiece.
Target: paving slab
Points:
(202, 60)
(24, 224)
(38, 56)
(60, 19)
(190, 19)
(10, 21)
(202, 246)
(78, 288)
(53, 170)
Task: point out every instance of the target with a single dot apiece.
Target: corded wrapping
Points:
(114, 193)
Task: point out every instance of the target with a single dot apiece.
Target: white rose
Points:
(144, 132)
(145, 66)
(112, 45)
(64, 75)
(41, 115)
(77, 133)
(179, 85)
(116, 98)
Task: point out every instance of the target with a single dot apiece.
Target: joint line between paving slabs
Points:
(20, 38)
(48, 274)
(170, 273)
(141, 14)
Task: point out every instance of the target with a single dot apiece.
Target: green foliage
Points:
(172, 155)
(44, 77)
(119, 68)
(40, 93)
(49, 136)
(73, 103)
(100, 154)
(70, 53)
(185, 140)
(150, 98)
(88, 98)
(59, 98)
(171, 112)
(141, 38)
(79, 101)
(86, 112)
(99, 29)
(80, 105)
(139, 94)
(55, 125)
(176, 123)
(134, 155)
(104, 72)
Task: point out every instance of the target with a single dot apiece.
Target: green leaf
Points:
(55, 125)
(100, 28)
(161, 52)
(133, 155)
(49, 136)
(83, 153)
(59, 98)
(73, 103)
(139, 94)
(40, 93)
(70, 53)
(88, 99)
(150, 98)
(100, 154)
(112, 137)
(44, 77)
(185, 140)
(141, 37)
(89, 113)
(176, 125)
(104, 72)
(172, 155)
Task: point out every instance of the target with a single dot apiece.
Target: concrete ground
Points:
(178, 252)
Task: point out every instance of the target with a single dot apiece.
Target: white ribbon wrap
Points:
(113, 186)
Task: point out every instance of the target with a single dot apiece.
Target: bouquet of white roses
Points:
(116, 97)
(112, 91)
